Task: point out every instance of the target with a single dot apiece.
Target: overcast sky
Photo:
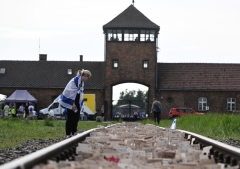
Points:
(204, 31)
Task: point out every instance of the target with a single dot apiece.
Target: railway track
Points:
(132, 145)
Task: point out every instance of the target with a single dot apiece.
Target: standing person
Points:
(12, 111)
(26, 110)
(155, 111)
(6, 109)
(135, 114)
(21, 110)
(72, 99)
(102, 110)
(31, 109)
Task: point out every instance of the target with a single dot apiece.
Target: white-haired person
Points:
(72, 100)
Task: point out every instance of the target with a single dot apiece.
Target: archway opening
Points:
(129, 101)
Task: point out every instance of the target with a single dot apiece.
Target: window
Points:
(2, 70)
(202, 104)
(231, 104)
(54, 106)
(114, 35)
(131, 35)
(180, 110)
(147, 35)
(145, 64)
(69, 71)
(115, 63)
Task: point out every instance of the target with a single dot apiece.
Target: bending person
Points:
(72, 100)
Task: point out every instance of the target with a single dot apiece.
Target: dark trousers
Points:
(157, 117)
(72, 122)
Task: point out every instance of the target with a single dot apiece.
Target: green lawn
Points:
(14, 131)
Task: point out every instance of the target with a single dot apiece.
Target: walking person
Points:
(72, 99)
(156, 110)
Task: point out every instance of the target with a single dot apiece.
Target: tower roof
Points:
(131, 18)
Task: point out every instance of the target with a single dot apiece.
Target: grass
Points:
(14, 131)
(216, 126)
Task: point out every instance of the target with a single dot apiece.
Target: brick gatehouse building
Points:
(130, 55)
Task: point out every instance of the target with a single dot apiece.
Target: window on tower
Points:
(131, 35)
(147, 35)
(115, 63)
(114, 35)
(145, 64)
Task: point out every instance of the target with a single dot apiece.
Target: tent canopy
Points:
(20, 96)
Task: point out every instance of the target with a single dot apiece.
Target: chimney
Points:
(81, 58)
(42, 57)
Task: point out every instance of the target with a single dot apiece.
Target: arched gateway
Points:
(130, 47)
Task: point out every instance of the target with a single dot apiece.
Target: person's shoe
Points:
(67, 136)
(78, 132)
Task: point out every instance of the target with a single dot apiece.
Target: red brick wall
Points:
(130, 56)
(216, 100)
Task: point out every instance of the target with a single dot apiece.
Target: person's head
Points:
(86, 74)
(154, 99)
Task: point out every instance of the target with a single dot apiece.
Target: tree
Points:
(132, 97)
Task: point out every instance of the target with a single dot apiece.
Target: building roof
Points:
(131, 18)
(48, 74)
(199, 76)
(171, 76)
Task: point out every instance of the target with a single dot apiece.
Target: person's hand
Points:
(74, 107)
(150, 111)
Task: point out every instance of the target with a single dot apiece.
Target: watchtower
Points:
(130, 49)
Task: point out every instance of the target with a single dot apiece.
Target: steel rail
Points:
(221, 152)
(47, 153)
